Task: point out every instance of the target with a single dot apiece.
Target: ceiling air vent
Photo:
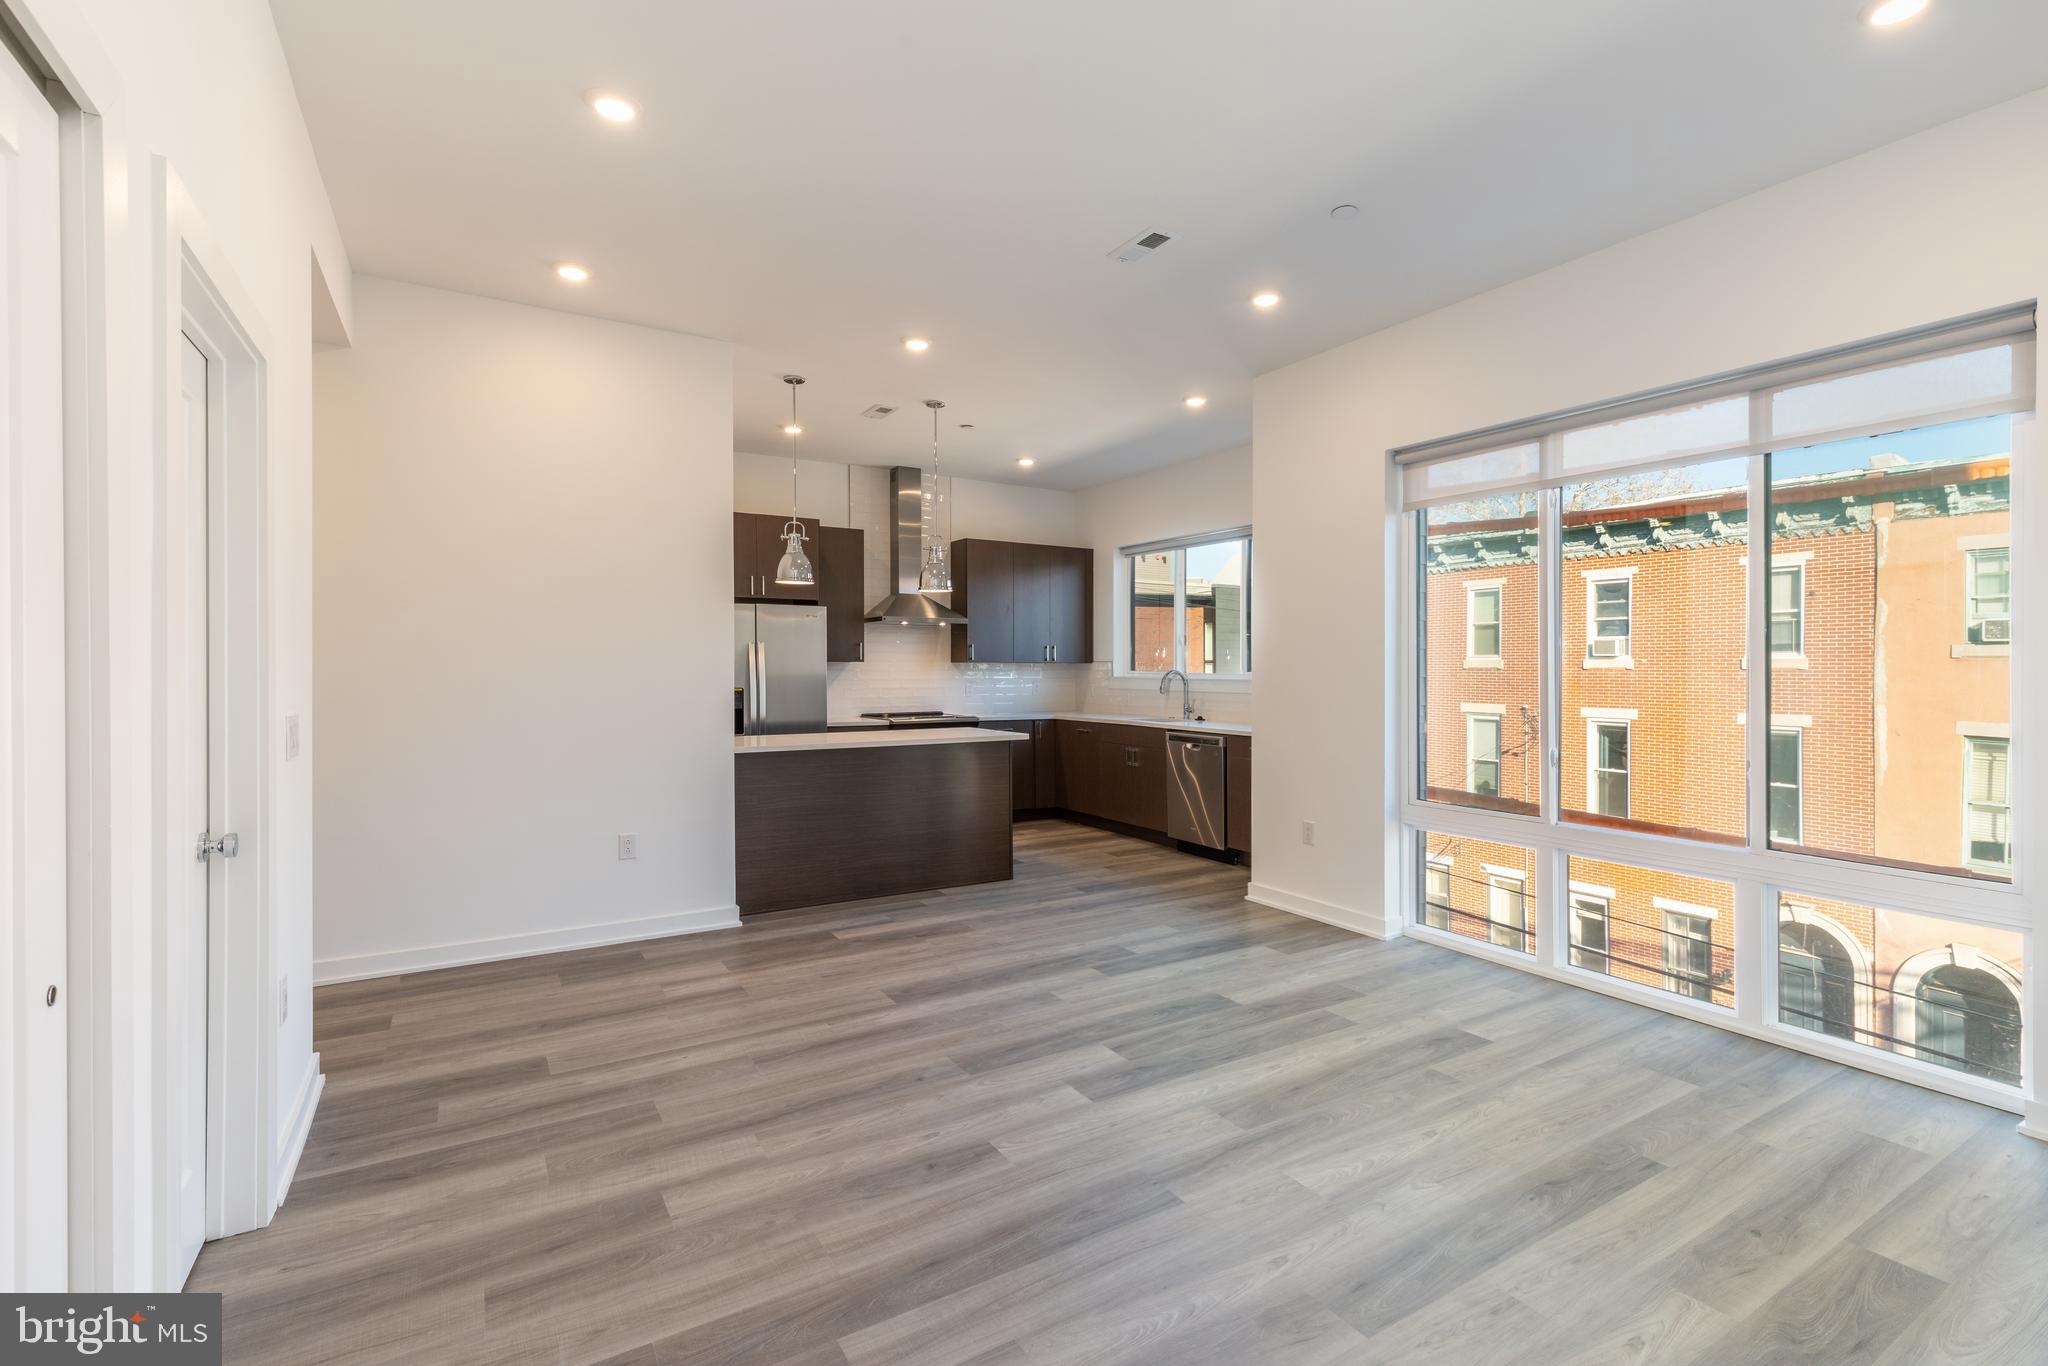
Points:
(877, 411)
(1141, 246)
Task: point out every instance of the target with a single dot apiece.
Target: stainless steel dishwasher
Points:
(1194, 793)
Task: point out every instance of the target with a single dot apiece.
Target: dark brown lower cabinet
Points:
(1132, 765)
(1079, 786)
(1119, 773)
(1024, 761)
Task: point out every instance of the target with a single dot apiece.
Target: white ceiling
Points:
(815, 179)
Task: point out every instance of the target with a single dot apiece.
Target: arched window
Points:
(1968, 1018)
(1817, 979)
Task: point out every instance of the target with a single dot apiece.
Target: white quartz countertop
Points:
(871, 739)
(1161, 723)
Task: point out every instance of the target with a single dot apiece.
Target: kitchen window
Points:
(1847, 519)
(1187, 605)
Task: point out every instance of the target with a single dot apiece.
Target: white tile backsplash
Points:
(909, 668)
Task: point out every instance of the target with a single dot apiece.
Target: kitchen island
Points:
(846, 815)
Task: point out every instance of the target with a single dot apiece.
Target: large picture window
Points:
(1685, 656)
(1187, 605)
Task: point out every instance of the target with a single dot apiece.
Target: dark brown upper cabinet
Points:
(756, 550)
(842, 563)
(1025, 604)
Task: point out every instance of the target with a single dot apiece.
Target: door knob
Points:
(227, 846)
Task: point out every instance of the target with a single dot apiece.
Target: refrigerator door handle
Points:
(761, 674)
(753, 692)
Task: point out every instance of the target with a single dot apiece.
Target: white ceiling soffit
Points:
(815, 180)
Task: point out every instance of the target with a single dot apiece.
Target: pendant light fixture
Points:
(937, 575)
(794, 569)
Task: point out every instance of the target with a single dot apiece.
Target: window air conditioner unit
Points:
(1996, 631)
(1609, 647)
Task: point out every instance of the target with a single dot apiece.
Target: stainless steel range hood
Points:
(906, 606)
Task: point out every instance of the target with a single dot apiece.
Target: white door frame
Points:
(198, 297)
(34, 1049)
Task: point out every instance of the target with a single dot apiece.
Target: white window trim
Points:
(1611, 574)
(1968, 649)
(1787, 564)
(1580, 894)
(1677, 907)
(1497, 587)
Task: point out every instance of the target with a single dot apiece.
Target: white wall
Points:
(760, 483)
(203, 85)
(523, 549)
(1205, 494)
(1939, 225)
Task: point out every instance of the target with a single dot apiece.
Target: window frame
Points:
(1517, 929)
(1595, 579)
(1758, 872)
(1972, 738)
(1475, 590)
(1472, 759)
(1798, 784)
(1126, 588)
(1594, 770)
(1794, 568)
(1679, 979)
(1973, 620)
(1578, 895)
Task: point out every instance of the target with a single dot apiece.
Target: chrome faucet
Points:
(1187, 708)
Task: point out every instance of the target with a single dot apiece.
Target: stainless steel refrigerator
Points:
(778, 668)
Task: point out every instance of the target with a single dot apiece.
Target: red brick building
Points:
(1889, 630)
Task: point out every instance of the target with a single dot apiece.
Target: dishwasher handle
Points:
(1183, 738)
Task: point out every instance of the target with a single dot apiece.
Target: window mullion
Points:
(1550, 907)
(1180, 609)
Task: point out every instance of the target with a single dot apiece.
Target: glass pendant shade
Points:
(794, 569)
(937, 576)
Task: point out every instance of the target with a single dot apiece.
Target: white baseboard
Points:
(1343, 917)
(293, 1143)
(360, 966)
(2033, 1130)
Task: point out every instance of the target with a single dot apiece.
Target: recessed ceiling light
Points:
(1026, 461)
(1265, 299)
(916, 344)
(1197, 401)
(791, 429)
(1344, 213)
(572, 272)
(612, 106)
(1886, 13)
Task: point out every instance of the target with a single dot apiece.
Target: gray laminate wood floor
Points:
(1110, 1112)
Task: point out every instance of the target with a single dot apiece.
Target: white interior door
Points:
(186, 1048)
(34, 1196)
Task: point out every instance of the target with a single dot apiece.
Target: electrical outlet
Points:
(1308, 832)
(284, 999)
(629, 846)
(291, 737)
